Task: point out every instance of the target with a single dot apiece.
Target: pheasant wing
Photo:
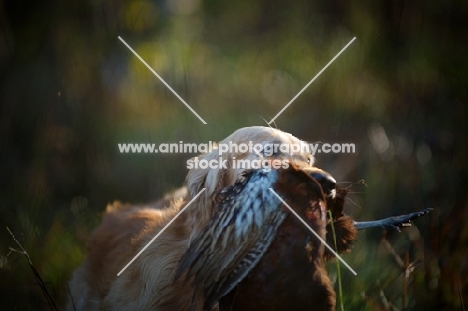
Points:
(240, 268)
(236, 237)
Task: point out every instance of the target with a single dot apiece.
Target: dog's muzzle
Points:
(327, 182)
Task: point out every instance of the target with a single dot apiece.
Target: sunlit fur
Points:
(148, 283)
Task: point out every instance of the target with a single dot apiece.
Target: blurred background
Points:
(70, 91)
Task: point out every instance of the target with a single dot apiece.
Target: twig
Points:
(38, 278)
(384, 300)
(405, 281)
(392, 251)
(5, 259)
(71, 298)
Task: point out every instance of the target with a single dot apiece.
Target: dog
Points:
(149, 282)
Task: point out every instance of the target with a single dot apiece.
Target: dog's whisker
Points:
(352, 183)
(352, 202)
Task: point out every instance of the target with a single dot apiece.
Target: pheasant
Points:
(254, 234)
(255, 254)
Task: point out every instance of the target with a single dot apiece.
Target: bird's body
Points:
(289, 276)
(256, 255)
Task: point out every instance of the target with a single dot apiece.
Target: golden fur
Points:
(148, 283)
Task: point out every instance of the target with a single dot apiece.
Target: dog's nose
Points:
(327, 182)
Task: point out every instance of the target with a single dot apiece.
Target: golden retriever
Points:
(149, 282)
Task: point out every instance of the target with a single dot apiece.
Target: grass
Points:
(48, 297)
(338, 270)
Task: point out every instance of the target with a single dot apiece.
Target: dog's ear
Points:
(211, 176)
(214, 176)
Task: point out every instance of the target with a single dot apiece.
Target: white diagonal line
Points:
(315, 233)
(159, 233)
(162, 80)
(316, 76)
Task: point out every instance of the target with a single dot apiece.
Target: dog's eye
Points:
(268, 150)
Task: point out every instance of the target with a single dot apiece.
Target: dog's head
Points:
(244, 149)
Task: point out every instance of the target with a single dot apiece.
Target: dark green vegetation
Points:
(70, 91)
